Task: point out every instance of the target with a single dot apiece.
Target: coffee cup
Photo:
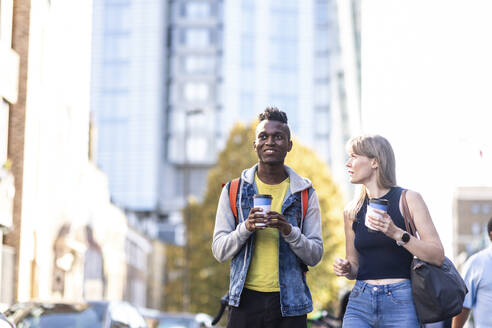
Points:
(375, 203)
(264, 202)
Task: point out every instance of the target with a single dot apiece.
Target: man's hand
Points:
(255, 216)
(278, 221)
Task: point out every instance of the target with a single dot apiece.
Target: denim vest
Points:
(295, 297)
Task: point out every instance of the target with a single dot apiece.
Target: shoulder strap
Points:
(409, 223)
(233, 189)
(304, 205)
(304, 202)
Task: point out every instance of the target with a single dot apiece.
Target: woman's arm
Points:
(429, 247)
(350, 266)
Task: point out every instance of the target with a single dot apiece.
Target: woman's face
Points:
(361, 169)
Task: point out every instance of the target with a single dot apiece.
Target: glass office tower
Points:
(170, 79)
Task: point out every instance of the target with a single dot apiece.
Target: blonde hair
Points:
(378, 148)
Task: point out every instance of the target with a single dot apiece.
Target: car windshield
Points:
(61, 316)
(176, 323)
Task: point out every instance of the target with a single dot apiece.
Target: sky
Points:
(427, 88)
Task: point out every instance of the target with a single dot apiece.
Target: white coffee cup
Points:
(264, 202)
(375, 203)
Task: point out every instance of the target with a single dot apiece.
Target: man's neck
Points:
(271, 174)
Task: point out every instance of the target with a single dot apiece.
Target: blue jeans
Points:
(381, 306)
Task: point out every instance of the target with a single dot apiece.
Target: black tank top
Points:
(379, 256)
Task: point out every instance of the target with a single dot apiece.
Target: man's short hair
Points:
(273, 114)
(489, 226)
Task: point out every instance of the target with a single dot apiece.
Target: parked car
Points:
(4, 323)
(97, 314)
(158, 319)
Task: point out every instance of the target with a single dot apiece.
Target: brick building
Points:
(66, 238)
(472, 208)
(9, 68)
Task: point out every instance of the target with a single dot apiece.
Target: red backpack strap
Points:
(304, 202)
(304, 205)
(233, 189)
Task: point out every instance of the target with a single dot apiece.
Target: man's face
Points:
(272, 142)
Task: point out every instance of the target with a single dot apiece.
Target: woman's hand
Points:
(385, 224)
(342, 268)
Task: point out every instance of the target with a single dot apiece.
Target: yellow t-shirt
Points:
(263, 270)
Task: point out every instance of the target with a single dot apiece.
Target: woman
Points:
(380, 261)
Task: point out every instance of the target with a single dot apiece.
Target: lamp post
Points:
(186, 191)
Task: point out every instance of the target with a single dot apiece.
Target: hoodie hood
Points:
(297, 183)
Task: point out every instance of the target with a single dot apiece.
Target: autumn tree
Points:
(210, 279)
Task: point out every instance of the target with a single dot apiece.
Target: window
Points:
(196, 37)
(322, 94)
(196, 91)
(6, 16)
(117, 18)
(246, 105)
(322, 42)
(116, 75)
(116, 47)
(284, 26)
(247, 51)
(284, 5)
(288, 104)
(248, 80)
(197, 122)
(248, 22)
(4, 126)
(283, 54)
(199, 65)
(321, 13)
(283, 82)
(247, 4)
(322, 123)
(197, 148)
(322, 68)
(113, 107)
(475, 208)
(196, 9)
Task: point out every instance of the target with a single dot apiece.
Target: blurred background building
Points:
(112, 113)
(472, 209)
(61, 237)
(171, 78)
(9, 68)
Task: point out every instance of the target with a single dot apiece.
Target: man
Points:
(478, 279)
(267, 279)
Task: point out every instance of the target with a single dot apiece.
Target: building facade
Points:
(66, 239)
(472, 209)
(128, 93)
(164, 109)
(9, 66)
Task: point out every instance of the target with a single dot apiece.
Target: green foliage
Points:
(210, 279)
(321, 279)
(173, 287)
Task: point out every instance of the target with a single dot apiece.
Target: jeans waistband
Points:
(382, 289)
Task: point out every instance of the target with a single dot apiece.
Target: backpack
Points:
(234, 188)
